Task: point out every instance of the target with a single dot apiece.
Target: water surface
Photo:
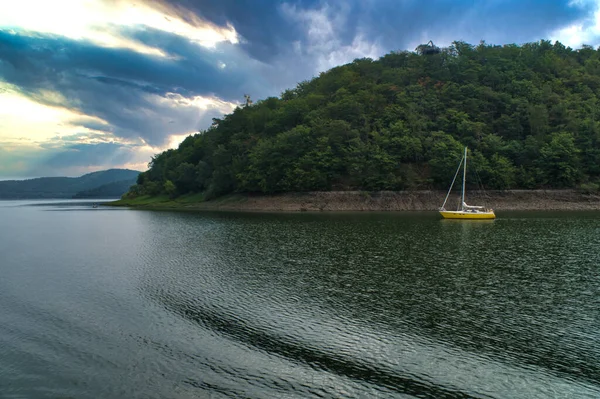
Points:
(119, 303)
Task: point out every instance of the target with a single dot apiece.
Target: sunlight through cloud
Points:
(21, 117)
(99, 21)
(582, 32)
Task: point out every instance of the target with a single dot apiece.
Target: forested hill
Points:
(67, 187)
(529, 115)
(110, 190)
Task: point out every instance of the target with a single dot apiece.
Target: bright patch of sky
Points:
(580, 33)
(96, 20)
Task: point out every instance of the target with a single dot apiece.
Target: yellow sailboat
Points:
(465, 211)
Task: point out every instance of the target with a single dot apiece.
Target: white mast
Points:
(462, 205)
(452, 185)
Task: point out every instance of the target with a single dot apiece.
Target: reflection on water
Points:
(165, 304)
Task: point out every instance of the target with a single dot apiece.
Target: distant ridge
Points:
(106, 183)
(110, 190)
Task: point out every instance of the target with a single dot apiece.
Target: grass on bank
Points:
(184, 201)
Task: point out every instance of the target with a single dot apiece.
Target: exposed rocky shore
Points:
(384, 201)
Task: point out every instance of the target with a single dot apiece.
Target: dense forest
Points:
(529, 115)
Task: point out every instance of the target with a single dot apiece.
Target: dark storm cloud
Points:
(111, 83)
(47, 61)
(260, 22)
(392, 23)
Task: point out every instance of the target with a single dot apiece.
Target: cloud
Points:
(137, 94)
(92, 124)
(266, 29)
(327, 41)
(93, 20)
(583, 31)
(49, 61)
(22, 117)
(261, 25)
(86, 155)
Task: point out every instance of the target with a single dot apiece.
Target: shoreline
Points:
(334, 201)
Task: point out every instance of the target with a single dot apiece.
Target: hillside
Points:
(64, 187)
(110, 190)
(527, 113)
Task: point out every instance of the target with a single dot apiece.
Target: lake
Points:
(119, 303)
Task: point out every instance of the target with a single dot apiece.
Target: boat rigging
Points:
(465, 211)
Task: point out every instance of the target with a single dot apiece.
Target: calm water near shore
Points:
(119, 303)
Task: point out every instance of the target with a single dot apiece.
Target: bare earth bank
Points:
(383, 201)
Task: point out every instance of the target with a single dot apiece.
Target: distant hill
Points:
(110, 190)
(68, 187)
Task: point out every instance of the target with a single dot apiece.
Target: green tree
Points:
(444, 156)
(559, 159)
(170, 188)
(501, 173)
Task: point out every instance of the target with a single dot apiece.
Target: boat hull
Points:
(467, 215)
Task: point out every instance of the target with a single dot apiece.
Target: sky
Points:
(88, 85)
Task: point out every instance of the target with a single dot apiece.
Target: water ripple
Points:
(159, 304)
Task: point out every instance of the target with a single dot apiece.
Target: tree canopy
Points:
(527, 113)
